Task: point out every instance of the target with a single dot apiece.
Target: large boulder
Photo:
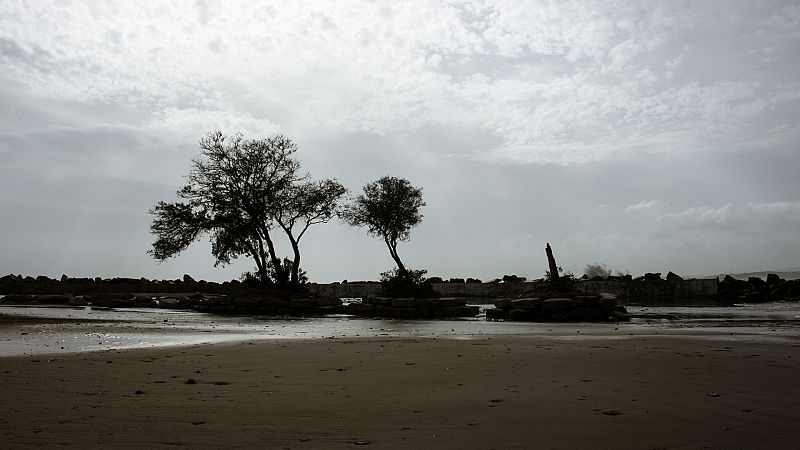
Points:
(120, 300)
(496, 314)
(403, 303)
(56, 299)
(402, 313)
(445, 302)
(361, 309)
(773, 280)
(455, 311)
(18, 299)
(568, 307)
(673, 277)
(526, 303)
(169, 303)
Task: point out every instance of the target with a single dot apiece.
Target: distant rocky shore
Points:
(595, 300)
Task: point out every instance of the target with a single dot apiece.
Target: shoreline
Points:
(492, 391)
(63, 330)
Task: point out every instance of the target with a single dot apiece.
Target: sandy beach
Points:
(498, 391)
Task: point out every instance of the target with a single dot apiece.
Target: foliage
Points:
(413, 284)
(238, 191)
(273, 274)
(566, 279)
(597, 270)
(389, 208)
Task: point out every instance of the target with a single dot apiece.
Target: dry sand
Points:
(483, 392)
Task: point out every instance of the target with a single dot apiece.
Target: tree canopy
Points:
(238, 191)
(389, 208)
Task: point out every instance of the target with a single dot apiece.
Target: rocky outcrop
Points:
(264, 303)
(558, 307)
(756, 290)
(412, 308)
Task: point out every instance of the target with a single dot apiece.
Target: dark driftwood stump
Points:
(551, 262)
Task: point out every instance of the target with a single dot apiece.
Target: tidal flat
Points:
(672, 378)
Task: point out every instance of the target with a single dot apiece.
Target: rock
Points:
(53, 299)
(265, 301)
(425, 302)
(673, 277)
(402, 313)
(773, 280)
(587, 301)
(328, 301)
(403, 303)
(496, 314)
(522, 315)
(455, 311)
(78, 301)
(144, 301)
(555, 304)
(608, 302)
(445, 302)
(112, 300)
(526, 303)
(169, 303)
(502, 303)
(361, 309)
(18, 299)
(652, 276)
(188, 278)
(382, 301)
(311, 303)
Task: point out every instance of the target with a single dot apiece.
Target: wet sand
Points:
(496, 391)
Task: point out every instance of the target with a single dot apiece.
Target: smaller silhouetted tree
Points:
(307, 203)
(389, 208)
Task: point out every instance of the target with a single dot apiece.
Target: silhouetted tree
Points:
(307, 204)
(236, 191)
(389, 208)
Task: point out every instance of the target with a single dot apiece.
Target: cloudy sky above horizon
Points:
(647, 136)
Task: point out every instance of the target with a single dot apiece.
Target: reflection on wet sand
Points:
(36, 330)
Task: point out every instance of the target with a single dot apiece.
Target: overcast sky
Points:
(648, 136)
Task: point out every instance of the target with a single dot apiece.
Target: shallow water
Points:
(67, 329)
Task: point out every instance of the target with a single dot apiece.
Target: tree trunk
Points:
(393, 251)
(280, 273)
(295, 280)
(263, 277)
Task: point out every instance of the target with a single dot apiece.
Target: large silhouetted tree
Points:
(238, 191)
(389, 208)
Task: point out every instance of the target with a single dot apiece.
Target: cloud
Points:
(186, 125)
(562, 83)
(642, 206)
(539, 110)
(782, 216)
